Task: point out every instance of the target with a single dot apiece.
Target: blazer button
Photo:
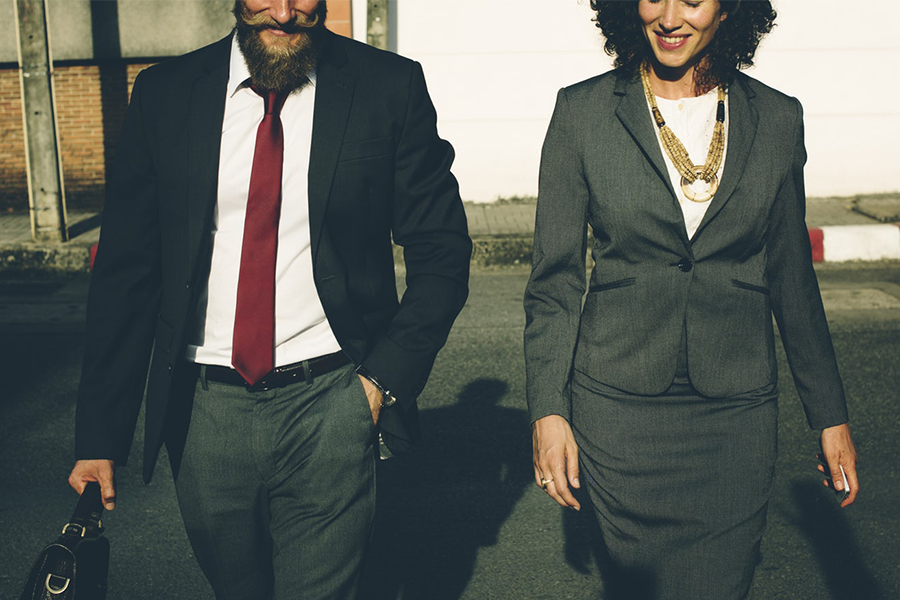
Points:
(685, 265)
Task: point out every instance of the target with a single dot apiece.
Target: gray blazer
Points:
(602, 165)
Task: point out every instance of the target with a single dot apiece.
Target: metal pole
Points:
(377, 24)
(46, 195)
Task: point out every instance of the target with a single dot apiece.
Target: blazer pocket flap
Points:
(367, 149)
(749, 286)
(602, 287)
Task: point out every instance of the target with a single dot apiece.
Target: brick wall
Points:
(13, 184)
(90, 105)
(339, 17)
(91, 101)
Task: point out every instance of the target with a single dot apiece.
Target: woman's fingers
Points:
(556, 484)
(838, 452)
(556, 459)
(853, 480)
(572, 465)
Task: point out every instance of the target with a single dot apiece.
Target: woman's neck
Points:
(674, 83)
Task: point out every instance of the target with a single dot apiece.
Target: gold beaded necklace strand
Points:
(679, 155)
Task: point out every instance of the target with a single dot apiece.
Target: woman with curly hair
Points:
(657, 389)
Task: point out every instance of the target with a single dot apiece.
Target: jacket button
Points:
(685, 265)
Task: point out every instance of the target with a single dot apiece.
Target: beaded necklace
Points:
(679, 156)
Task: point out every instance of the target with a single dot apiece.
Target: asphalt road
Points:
(463, 518)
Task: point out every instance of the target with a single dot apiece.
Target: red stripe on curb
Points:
(93, 255)
(817, 241)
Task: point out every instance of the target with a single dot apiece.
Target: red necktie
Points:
(253, 345)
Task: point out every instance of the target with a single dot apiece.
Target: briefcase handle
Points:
(85, 520)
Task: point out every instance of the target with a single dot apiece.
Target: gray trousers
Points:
(277, 488)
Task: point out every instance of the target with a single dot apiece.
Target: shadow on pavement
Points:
(439, 506)
(835, 547)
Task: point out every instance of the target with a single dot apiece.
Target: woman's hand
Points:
(556, 459)
(838, 451)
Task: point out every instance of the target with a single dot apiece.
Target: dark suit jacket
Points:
(750, 258)
(377, 169)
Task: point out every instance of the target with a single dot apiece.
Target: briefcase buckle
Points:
(79, 529)
(53, 589)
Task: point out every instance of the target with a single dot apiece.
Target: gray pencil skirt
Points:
(680, 484)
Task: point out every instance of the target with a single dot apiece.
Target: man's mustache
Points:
(299, 24)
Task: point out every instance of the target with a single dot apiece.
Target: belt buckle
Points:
(263, 385)
(296, 372)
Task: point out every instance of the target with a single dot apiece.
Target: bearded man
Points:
(246, 248)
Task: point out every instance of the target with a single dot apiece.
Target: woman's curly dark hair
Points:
(732, 47)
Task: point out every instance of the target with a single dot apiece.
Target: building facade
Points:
(98, 48)
(493, 69)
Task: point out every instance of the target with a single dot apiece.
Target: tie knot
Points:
(274, 99)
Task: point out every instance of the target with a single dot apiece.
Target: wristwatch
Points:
(387, 398)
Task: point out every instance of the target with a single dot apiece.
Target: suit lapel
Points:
(635, 116)
(742, 123)
(206, 112)
(632, 111)
(334, 95)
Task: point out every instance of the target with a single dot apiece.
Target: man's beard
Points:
(281, 67)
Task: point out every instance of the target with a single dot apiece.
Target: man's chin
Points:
(277, 61)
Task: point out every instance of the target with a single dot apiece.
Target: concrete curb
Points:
(842, 243)
(839, 243)
(832, 244)
(45, 258)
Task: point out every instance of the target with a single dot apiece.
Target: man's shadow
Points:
(436, 508)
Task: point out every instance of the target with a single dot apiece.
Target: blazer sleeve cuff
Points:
(558, 406)
(401, 371)
(822, 419)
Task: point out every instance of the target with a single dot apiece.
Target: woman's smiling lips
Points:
(671, 42)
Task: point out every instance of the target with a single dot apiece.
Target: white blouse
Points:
(692, 121)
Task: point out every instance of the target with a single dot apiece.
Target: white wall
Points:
(494, 67)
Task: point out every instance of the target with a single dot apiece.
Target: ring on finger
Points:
(544, 483)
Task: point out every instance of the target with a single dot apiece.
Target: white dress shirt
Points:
(692, 120)
(301, 329)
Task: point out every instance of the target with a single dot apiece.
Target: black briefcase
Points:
(75, 566)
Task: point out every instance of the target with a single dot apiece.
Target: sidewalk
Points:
(19, 253)
(841, 229)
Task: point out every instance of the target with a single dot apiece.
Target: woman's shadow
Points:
(436, 508)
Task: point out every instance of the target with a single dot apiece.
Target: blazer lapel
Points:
(207, 110)
(742, 123)
(632, 111)
(334, 95)
(635, 116)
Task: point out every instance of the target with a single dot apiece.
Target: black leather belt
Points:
(280, 376)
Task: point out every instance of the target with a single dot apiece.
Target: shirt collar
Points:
(239, 75)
